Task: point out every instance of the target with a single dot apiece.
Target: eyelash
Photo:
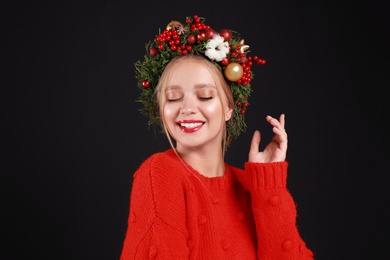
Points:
(201, 98)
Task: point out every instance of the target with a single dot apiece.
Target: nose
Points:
(189, 105)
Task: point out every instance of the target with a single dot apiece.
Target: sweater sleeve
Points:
(274, 212)
(156, 222)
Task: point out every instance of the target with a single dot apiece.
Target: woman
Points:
(187, 202)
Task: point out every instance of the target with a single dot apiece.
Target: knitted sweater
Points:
(177, 213)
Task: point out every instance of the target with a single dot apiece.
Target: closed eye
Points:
(205, 98)
(173, 100)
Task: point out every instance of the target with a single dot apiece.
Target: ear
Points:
(228, 114)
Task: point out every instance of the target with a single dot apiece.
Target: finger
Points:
(281, 134)
(278, 128)
(279, 125)
(269, 119)
(274, 122)
(282, 120)
(255, 143)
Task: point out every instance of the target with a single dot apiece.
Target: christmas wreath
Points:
(226, 49)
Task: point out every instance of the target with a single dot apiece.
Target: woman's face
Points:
(192, 110)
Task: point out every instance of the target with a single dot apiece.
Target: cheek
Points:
(169, 111)
(214, 109)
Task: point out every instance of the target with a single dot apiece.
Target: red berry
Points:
(145, 83)
(225, 61)
(153, 51)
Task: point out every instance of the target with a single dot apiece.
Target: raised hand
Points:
(276, 150)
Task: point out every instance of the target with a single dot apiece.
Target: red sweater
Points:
(177, 213)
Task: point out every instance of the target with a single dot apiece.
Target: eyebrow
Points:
(198, 86)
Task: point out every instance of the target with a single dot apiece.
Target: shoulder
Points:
(161, 179)
(161, 169)
(164, 161)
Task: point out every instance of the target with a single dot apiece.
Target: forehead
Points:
(190, 72)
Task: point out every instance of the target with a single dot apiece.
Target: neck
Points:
(208, 162)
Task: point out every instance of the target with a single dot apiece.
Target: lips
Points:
(190, 126)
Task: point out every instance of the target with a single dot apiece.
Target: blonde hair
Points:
(223, 89)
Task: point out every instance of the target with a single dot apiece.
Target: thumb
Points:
(255, 143)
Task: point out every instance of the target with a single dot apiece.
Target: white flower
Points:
(217, 48)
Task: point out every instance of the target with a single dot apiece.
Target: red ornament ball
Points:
(210, 33)
(226, 34)
(202, 36)
(191, 39)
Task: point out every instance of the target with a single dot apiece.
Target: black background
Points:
(72, 135)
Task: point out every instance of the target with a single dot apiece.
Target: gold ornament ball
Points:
(234, 71)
